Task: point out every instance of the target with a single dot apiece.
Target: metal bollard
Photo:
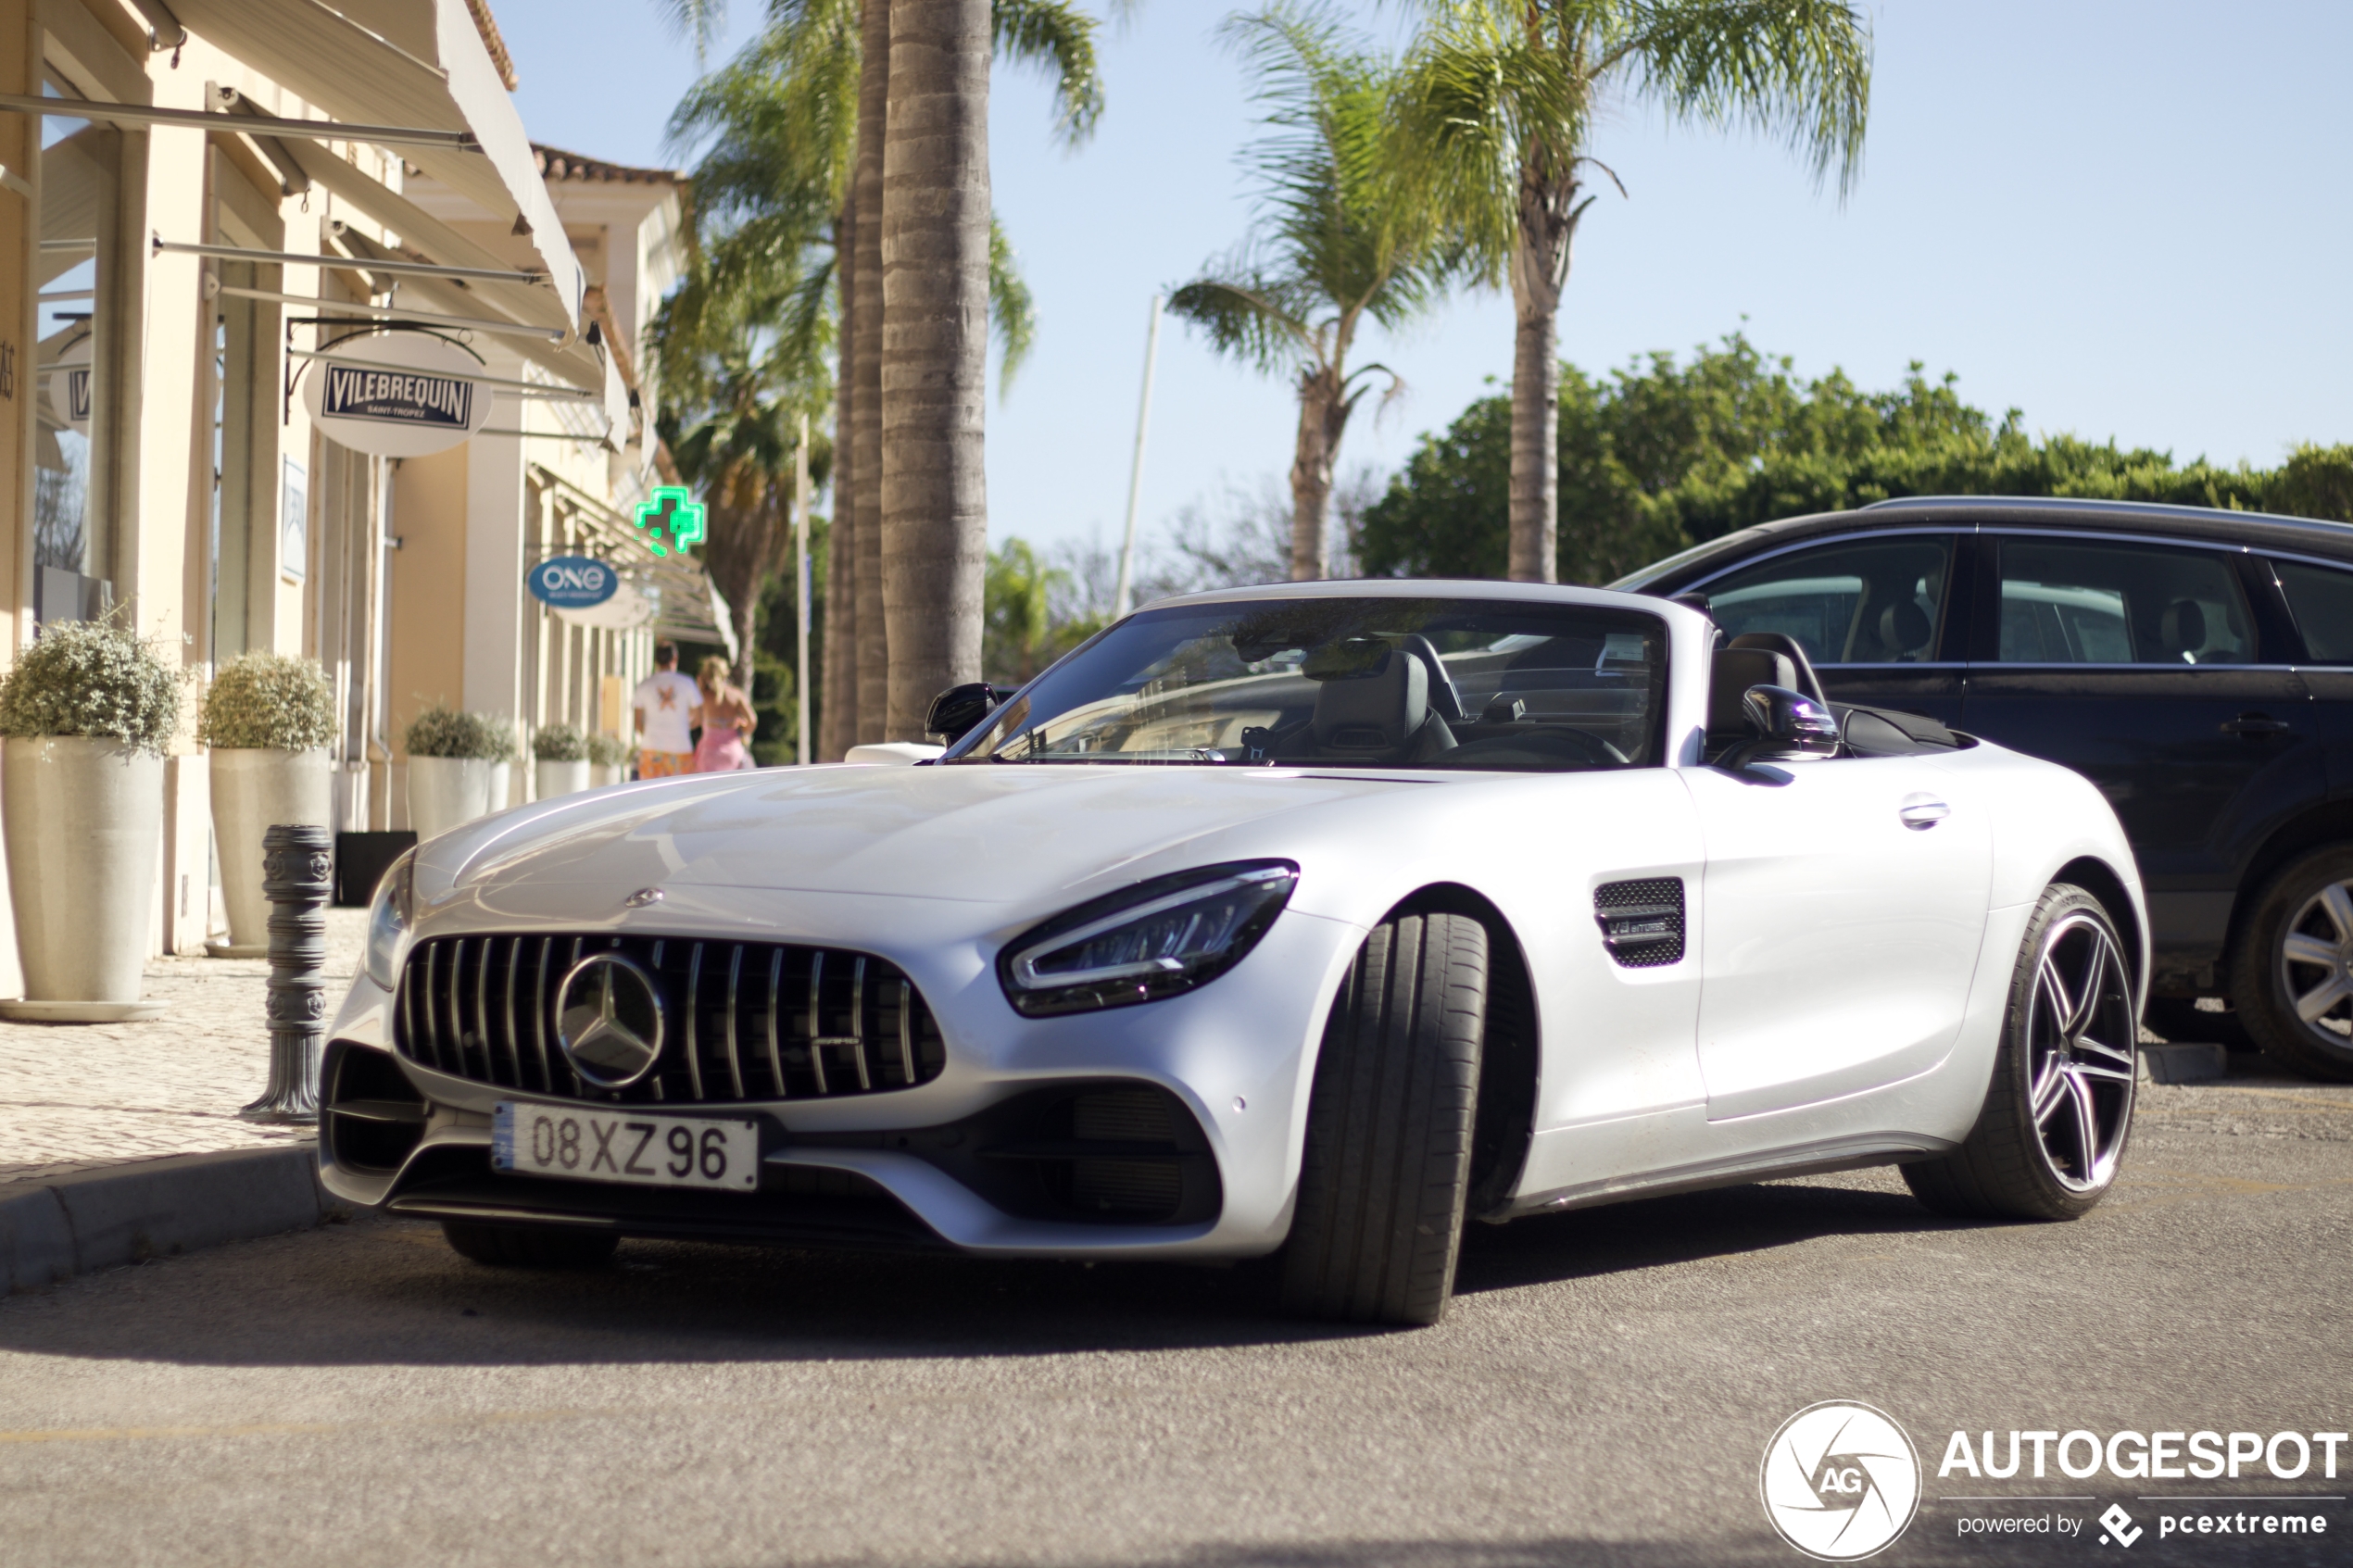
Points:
(297, 865)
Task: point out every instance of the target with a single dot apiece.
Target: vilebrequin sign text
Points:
(396, 394)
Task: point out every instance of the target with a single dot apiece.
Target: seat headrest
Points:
(1378, 710)
(2184, 627)
(1902, 627)
(1734, 670)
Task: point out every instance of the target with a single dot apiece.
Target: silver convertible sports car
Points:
(1311, 919)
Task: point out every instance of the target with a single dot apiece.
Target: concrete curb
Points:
(155, 1208)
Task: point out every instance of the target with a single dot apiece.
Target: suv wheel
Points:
(2293, 976)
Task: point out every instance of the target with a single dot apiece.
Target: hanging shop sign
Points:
(396, 394)
(573, 581)
(70, 387)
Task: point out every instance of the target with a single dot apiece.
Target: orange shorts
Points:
(664, 764)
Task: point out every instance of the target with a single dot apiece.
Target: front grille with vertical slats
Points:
(741, 1021)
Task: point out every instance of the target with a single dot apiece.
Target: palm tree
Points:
(1339, 238)
(927, 368)
(1503, 98)
(778, 221)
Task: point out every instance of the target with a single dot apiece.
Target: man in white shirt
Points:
(665, 742)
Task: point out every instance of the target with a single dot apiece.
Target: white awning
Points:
(417, 63)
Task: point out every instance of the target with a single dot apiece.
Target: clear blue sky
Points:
(2125, 217)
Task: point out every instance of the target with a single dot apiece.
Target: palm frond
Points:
(1013, 314)
(1797, 70)
(1058, 38)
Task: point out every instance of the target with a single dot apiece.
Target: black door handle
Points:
(2256, 724)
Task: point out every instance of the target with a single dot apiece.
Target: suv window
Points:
(2321, 601)
(1877, 603)
(2069, 603)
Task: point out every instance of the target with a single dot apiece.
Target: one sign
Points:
(573, 581)
(396, 394)
(671, 519)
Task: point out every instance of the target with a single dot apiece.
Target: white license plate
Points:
(578, 1144)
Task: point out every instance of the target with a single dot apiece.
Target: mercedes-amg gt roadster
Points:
(1309, 918)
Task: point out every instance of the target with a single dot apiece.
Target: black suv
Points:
(2196, 665)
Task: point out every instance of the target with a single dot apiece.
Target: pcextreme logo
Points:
(1840, 1481)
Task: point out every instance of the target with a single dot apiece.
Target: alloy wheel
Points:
(2080, 1040)
(2316, 965)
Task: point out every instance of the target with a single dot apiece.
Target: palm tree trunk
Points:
(873, 644)
(1540, 267)
(837, 712)
(935, 360)
(1323, 415)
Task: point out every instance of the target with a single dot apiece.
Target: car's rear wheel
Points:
(2291, 979)
(530, 1247)
(2060, 1108)
(1387, 1166)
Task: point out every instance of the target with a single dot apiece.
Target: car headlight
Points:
(388, 919)
(1153, 940)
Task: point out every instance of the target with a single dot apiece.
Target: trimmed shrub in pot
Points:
(560, 755)
(457, 766)
(608, 760)
(88, 710)
(267, 718)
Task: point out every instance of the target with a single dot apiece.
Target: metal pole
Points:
(801, 591)
(1124, 599)
(297, 873)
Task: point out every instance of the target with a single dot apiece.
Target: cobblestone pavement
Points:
(77, 1097)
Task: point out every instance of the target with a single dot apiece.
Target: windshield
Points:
(1372, 682)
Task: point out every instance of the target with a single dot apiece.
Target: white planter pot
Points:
(448, 792)
(254, 790)
(599, 777)
(561, 778)
(84, 825)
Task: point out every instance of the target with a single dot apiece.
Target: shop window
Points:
(71, 542)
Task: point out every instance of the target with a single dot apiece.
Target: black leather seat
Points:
(1735, 669)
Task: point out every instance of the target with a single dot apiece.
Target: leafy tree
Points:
(1661, 454)
(1502, 98)
(1341, 237)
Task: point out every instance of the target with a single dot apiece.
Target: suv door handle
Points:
(2256, 724)
(1920, 813)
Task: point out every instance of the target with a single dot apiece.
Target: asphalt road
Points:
(1602, 1390)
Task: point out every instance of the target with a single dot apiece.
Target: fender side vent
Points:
(1641, 921)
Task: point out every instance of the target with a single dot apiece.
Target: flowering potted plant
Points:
(608, 760)
(457, 769)
(267, 718)
(561, 754)
(89, 710)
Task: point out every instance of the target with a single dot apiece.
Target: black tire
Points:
(2073, 1061)
(530, 1247)
(2266, 982)
(1387, 1166)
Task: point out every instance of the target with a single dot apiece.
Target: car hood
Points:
(988, 835)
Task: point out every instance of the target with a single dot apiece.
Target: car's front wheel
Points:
(1386, 1165)
(2293, 977)
(530, 1247)
(2060, 1108)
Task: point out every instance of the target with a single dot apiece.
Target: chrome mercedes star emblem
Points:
(643, 897)
(608, 1020)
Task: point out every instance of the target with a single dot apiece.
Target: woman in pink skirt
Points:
(726, 719)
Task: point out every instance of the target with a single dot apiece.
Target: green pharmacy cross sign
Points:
(683, 522)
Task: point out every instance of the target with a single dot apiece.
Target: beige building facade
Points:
(201, 198)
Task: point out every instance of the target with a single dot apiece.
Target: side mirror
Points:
(958, 711)
(1788, 722)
